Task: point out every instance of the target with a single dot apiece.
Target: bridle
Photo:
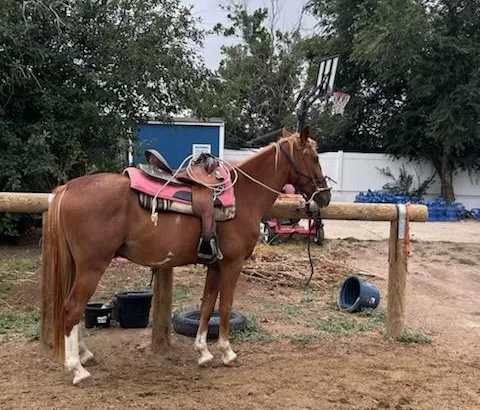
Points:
(308, 201)
(300, 174)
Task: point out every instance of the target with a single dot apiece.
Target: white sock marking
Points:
(228, 355)
(72, 357)
(202, 348)
(85, 354)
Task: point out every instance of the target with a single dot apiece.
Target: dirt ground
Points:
(289, 363)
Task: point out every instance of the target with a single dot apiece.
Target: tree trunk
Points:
(446, 176)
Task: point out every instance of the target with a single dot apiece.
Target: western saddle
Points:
(202, 171)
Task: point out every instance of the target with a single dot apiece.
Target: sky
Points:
(210, 13)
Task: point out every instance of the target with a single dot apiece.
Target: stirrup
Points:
(208, 251)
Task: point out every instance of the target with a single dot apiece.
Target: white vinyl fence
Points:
(354, 172)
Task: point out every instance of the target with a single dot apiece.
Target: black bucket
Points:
(356, 294)
(97, 315)
(133, 308)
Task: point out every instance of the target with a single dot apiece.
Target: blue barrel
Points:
(432, 213)
(356, 294)
(452, 214)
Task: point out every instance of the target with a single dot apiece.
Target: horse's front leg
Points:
(228, 281)
(210, 293)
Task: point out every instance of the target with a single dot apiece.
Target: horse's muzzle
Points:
(322, 197)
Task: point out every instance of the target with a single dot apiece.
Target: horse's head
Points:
(306, 173)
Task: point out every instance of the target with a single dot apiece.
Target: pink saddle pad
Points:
(150, 186)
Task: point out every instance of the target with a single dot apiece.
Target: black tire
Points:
(268, 235)
(187, 322)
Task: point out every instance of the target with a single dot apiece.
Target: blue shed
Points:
(180, 138)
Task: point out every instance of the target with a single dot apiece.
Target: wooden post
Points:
(397, 280)
(162, 309)
(46, 336)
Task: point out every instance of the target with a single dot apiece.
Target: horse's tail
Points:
(62, 271)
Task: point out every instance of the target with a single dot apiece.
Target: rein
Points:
(297, 170)
(311, 222)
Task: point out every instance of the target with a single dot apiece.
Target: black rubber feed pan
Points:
(187, 322)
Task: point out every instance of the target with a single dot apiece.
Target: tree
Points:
(257, 79)
(419, 61)
(76, 77)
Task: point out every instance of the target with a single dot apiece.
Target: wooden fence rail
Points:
(287, 206)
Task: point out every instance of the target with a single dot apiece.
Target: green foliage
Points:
(76, 78)
(181, 293)
(13, 268)
(336, 324)
(412, 336)
(412, 68)
(254, 88)
(252, 333)
(404, 182)
(341, 324)
(304, 339)
(24, 322)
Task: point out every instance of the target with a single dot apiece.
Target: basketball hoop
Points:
(339, 101)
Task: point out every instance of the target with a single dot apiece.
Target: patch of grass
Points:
(477, 313)
(308, 298)
(181, 293)
(465, 261)
(291, 311)
(335, 324)
(414, 336)
(24, 322)
(304, 339)
(252, 333)
(377, 319)
(350, 239)
(11, 269)
(364, 321)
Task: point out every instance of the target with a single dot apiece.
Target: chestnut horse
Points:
(96, 217)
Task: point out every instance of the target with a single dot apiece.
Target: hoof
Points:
(229, 358)
(88, 358)
(80, 376)
(205, 359)
(235, 363)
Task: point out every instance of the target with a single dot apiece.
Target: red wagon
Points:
(273, 229)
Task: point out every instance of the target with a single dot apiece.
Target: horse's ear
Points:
(305, 134)
(285, 133)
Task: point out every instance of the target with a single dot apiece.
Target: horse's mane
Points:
(290, 139)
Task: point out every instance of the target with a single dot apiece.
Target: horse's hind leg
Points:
(72, 356)
(84, 286)
(85, 354)
(210, 293)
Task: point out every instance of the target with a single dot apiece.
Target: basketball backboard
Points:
(327, 70)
